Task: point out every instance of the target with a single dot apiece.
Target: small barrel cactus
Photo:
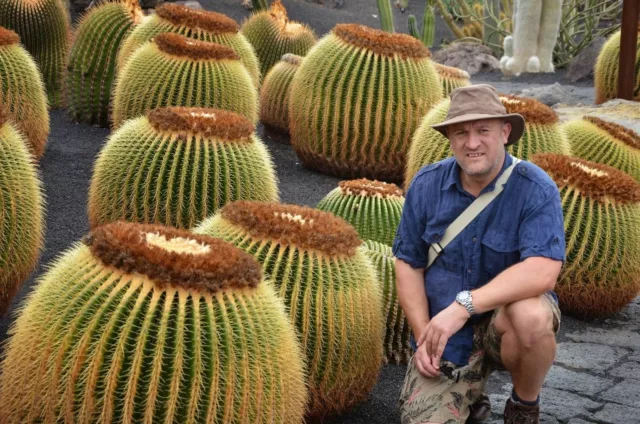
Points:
(177, 165)
(604, 142)
(542, 134)
(356, 100)
(601, 208)
(92, 63)
(22, 92)
(21, 212)
(199, 24)
(327, 283)
(272, 35)
(397, 347)
(607, 70)
(44, 27)
(373, 208)
(275, 92)
(173, 70)
(451, 78)
(145, 323)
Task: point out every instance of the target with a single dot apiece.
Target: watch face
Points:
(463, 296)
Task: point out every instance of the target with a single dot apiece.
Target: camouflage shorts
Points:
(446, 399)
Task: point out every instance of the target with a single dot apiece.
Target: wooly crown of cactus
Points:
(22, 92)
(276, 90)
(199, 24)
(272, 35)
(373, 208)
(328, 285)
(607, 70)
(92, 62)
(604, 142)
(172, 70)
(542, 134)
(21, 212)
(601, 207)
(145, 323)
(357, 98)
(176, 166)
(44, 29)
(451, 78)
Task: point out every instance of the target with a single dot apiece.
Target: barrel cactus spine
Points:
(451, 78)
(607, 70)
(329, 287)
(276, 90)
(357, 98)
(148, 323)
(172, 70)
(22, 92)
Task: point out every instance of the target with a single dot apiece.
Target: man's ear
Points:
(506, 130)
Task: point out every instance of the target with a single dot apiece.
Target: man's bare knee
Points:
(531, 320)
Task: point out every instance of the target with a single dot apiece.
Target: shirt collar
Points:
(453, 177)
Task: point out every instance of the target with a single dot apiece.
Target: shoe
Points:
(519, 413)
(480, 411)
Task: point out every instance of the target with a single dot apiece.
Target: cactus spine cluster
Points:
(199, 24)
(145, 323)
(22, 92)
(21, 212)
(272, 35)
(601, 207)
(328, 285)
(607, 70)
(451, 78)
(357, 98)
(44, 29)
(276, 90)
(173, 70)
(176, 166)
(373, 208)
(92, 62)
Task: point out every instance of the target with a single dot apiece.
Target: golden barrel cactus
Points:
(276, 90)
(451, 78)
(607, 70)
(145, 323)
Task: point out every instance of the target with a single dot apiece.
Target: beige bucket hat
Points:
(476, 102)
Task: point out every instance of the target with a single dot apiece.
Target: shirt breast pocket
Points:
(500, 251)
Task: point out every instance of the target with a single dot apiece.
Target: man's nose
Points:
(473, 141)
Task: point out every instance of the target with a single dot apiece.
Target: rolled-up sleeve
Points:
(542, 230)
(408, 244)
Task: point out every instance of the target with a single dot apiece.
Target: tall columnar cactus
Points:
(199, 24)
(356, 100)
(428, 33)
(542, 134)
(145, 323)
(397, 348)
(601, 208)
(173, 70)
(44, 29)
(276, 90)
(451, 78)
(22, 92)
(176, 166)
(373, 208)
(92, 63)
(604, 142)
(272, 35)
(607, 70)
(21, 212)
(329, 287)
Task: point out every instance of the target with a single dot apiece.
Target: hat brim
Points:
(515, 119)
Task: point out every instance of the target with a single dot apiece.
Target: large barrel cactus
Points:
(607, 70)
(45, 30)
(356, 100)
(21, 212)
(542, 134)
(601, 208)
(373, 208)
(173, 70)
(145, 323)
(176, 166)
(92, 63)
(329, 286)
(451, 78)
(604, 142)
(199, 24)
(22, 92)
(272, 35)
(275, 92)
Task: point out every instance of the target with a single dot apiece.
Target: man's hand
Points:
(425, 364)
(435, 335)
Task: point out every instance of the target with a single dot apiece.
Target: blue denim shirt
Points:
(524, 220)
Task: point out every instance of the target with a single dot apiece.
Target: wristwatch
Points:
(464, 298)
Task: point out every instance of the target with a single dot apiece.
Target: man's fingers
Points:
(434, 342)
(441, 345)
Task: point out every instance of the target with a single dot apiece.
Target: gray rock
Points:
(618, 414)
(582, 65)
(578, 421)
(626, 393)
(635, 356)
(471, 57)
(564, 405)
(191, 4)
(583, 383)
(588, 356)
(550, 94)
(627, 370)
(611, 337)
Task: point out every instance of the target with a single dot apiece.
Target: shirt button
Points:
(474, 239)
(469, 270)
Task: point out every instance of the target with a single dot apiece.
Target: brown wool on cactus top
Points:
(300, 226)
(451, 72)
(169, 256)
(8, 37)
(207, 122)
(213, 22)
(381, 42)
(533, 111)
(279, 14)
(597, 181)
(292, 59)
(368, 188)
(178, 45)
(624, 134)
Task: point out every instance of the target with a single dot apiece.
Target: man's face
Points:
(479, 145)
